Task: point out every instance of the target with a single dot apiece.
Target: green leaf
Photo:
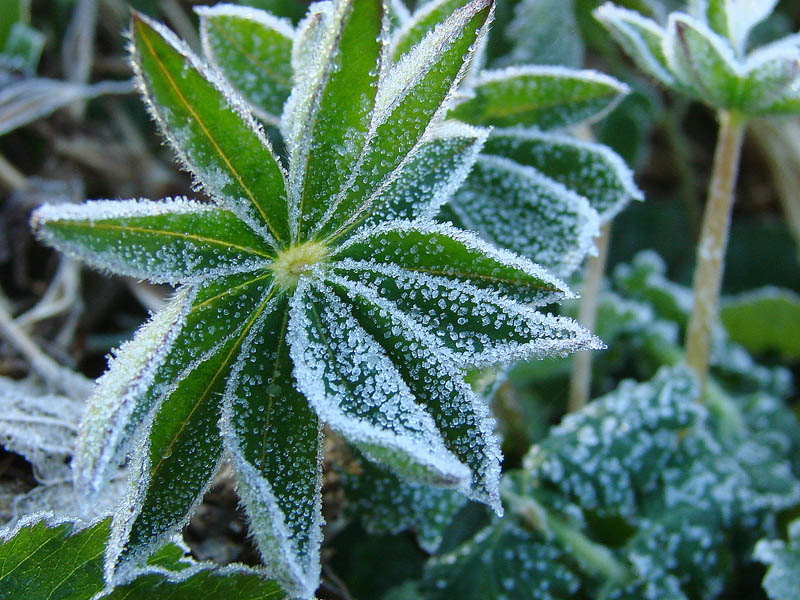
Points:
(385, 503)
(422, 22)
(183, 451)
(332, 108)
(144, 370)
(501, 561)
(11, 12)
(274, 440)
(410, 101)
(430, 177)
(541, 97)
(733, 19)
(253, 51)
(338, 365)
(544, 32)
(478, 328)
(211, 130)
(23, 49)
(618, 429)
(640, 37)
(172, 241)
(702, 61)
(457, 255)
(47, 559)
(783, 559)
(591, 170)
(764, 320)
(516, 207)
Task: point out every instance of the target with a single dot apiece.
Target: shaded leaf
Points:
(253, 50)
(541, 97)
(764, 320)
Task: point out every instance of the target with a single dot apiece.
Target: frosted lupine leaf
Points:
(763, 320)
(461, 418)
(44, 558)
(385, 503)
(40, 427)
(591, 170)
(326, 145)
(440, 249)
(424, 20)
(611, 452)
(144, 370)
(353, 386)
(504, 562)
(253, 51)
(783, 559)
(544, 32)
(516, 207)
(478, 327)
(768, 73)
(430, 177)
(733, 19)
(273, 438)
(541, 97)
(165, 242)
(411, 99)
(174, 466)
(702, 61)
(644, 280)
(640, 37)
(787, 103)
(211, 129)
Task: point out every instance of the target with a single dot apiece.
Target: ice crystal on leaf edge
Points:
(369, 332)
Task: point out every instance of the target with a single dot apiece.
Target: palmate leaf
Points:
(318, 294)
(44, 558)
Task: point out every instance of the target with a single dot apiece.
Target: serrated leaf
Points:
(641, 38)
(412, 97)
(253, 50)
(783, 559)
(47, 559)
(515, 207)
(211, 130)
(385, 503)
(168, 242)
(542, 97)
(591, 170)
(765, 320)
(501, 561)
(458, 255)
(273, 438)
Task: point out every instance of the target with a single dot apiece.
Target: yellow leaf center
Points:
(292, 262)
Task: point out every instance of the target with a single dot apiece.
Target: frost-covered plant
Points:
(535, 188)
(644, 493)
(704, 54)
(312, 289)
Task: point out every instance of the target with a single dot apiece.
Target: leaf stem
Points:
(580, 384)
(595, 558)
(713, 242)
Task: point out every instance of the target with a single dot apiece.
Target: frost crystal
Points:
(318, 293)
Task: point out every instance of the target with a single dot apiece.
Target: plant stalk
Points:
(580, 384)
(714, 242)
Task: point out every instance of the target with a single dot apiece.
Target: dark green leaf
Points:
(768, 319)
